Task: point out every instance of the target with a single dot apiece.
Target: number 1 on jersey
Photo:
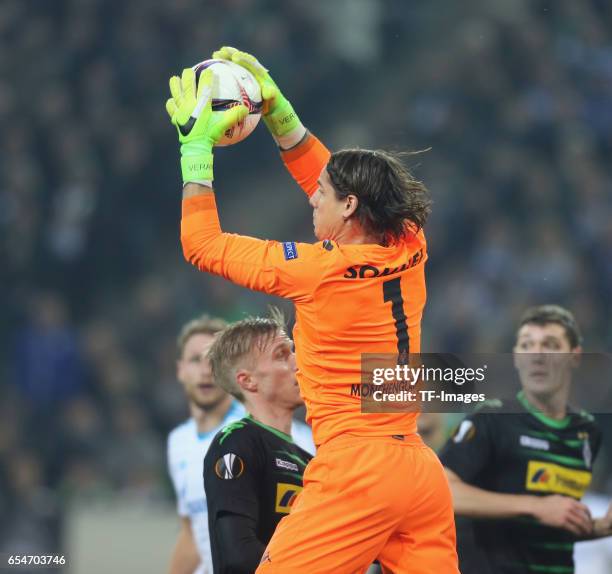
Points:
(392, 291)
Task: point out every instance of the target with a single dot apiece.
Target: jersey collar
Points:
(538, 414)
(278, 433)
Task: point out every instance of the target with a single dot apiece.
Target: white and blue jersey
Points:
(302, 436)
(594, 556)
(186, 451)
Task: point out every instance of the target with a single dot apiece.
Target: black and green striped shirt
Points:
(255, 471)
(522, 453)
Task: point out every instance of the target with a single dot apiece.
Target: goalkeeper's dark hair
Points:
(388, 195)
(545, 314)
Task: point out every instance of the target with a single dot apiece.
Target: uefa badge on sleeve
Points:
(229, 466)
(290, 250)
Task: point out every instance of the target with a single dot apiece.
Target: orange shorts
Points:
(368, 498)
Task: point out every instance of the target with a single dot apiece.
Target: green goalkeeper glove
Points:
(278, 113)
(199, 129)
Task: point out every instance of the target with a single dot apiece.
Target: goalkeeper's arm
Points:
(303, 154)
(253, 263)
(241, 259)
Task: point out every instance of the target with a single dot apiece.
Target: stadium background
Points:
(512, 96)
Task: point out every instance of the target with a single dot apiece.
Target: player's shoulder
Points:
(181, 433)
(319, 251)
(485, 415)
(484, 422)
(584, 420)
(238, 433)
(492, 407)
(585, 417)
(238, 441)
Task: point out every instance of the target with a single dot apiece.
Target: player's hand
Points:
(603, 526)
(563, 512)
(199, 129)
(278, 113)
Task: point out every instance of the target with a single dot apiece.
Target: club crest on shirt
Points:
(587, 453)
(229, 466)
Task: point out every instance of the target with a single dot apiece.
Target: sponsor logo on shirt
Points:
(229, 466)
(290, 250)
(535, 443)
(552, 478)
(280, 463)
(285, 496)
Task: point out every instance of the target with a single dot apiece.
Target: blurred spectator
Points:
(47, 362)
(136, 458)
(34, 514)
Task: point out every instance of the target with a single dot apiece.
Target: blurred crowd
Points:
(512, 97)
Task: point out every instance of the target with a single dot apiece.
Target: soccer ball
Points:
(233, 85)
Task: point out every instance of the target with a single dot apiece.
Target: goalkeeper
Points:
(374, 490)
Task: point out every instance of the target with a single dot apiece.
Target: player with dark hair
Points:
(253, 470)
(519, 477)
(387, 194)
(374, 490)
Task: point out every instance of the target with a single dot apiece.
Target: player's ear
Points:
(245, 381)
(576, 356)
(350, 205)
(179, 369)
(516, 357)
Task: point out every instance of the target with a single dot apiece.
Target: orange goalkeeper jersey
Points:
(349, 300)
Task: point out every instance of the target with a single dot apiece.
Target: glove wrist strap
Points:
(291, 139)
(282, 119)
(196, 164)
